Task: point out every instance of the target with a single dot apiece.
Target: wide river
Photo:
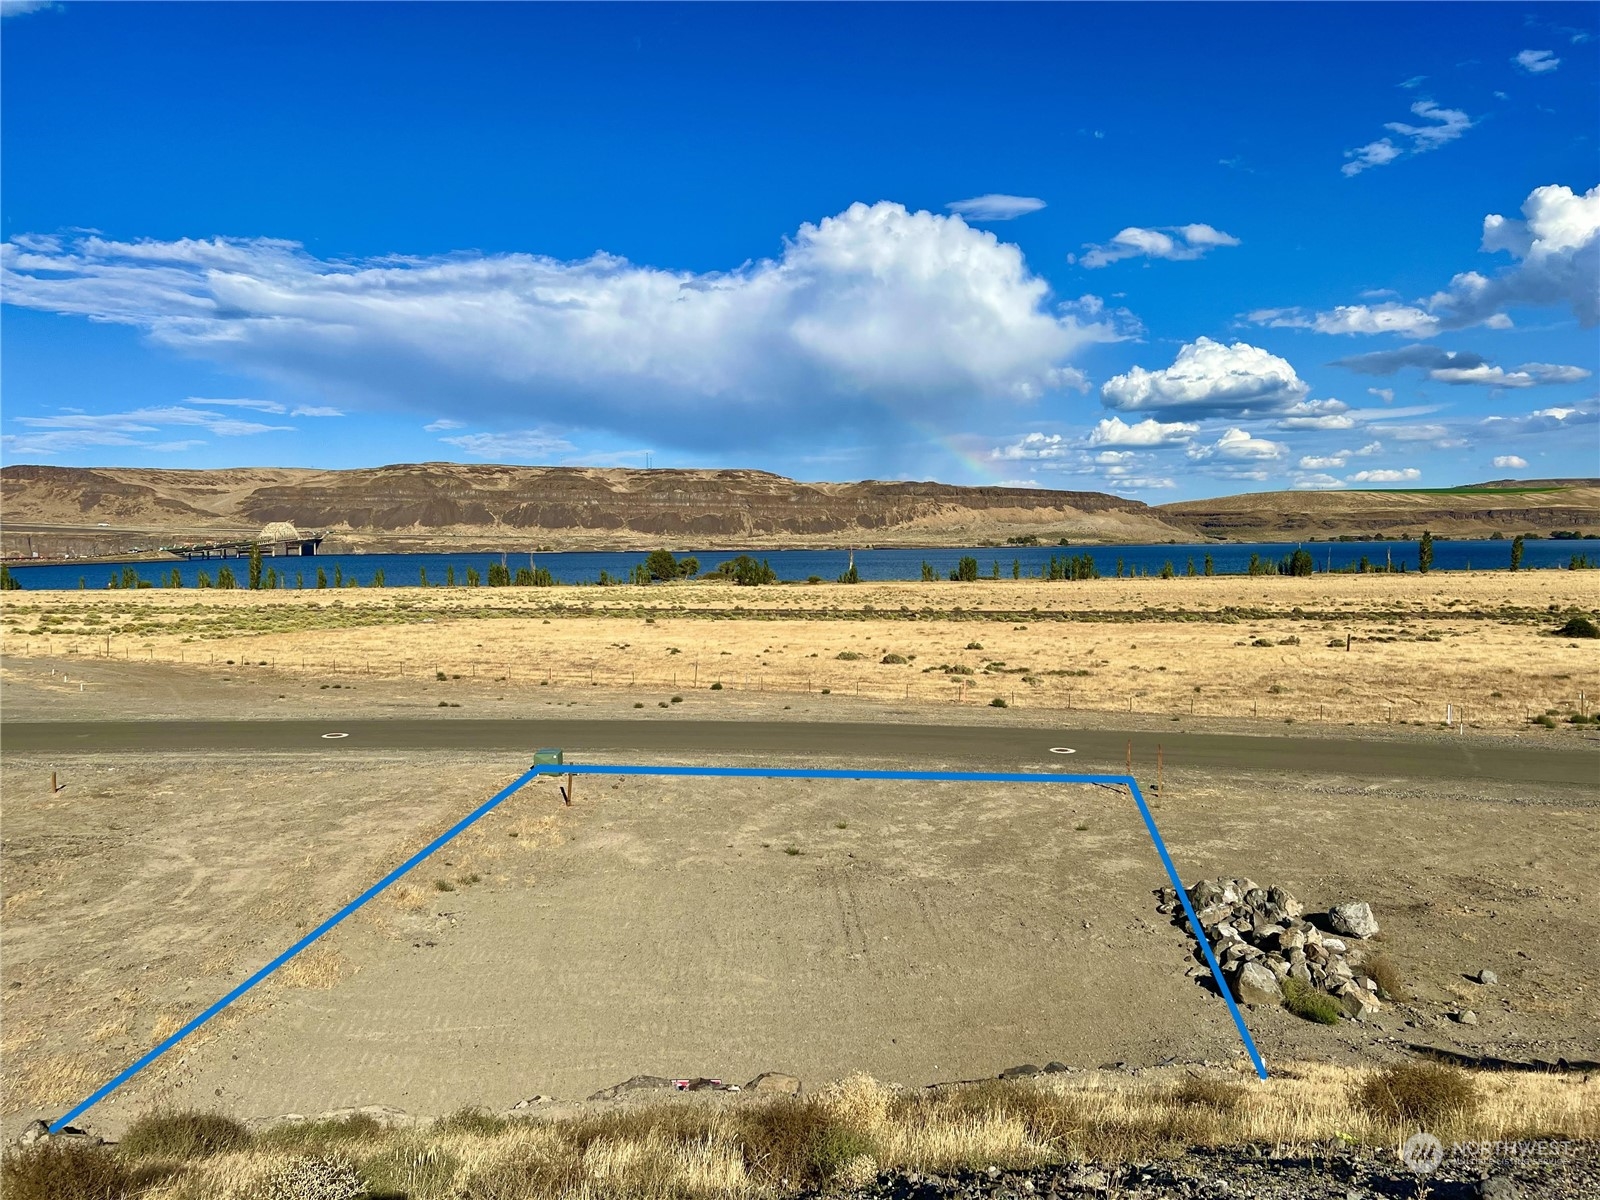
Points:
(575, 567)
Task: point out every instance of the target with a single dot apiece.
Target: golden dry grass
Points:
(852, 1129)
(316, 967)
(1269, 647)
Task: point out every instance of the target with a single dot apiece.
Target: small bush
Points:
(797, 1144)
(638, 703)
(58, 1171)
(1306, 1002)
(1381, 969)
(1216, 1094)
(893, 660)
(1261, 642)
(791, 851)
(677, 700)
(716, 687)
(974, 645)
(324, 1135)
(1546, 720)
(1423, 1092)
(440, 676)
(1291, 640)
(849, 656)
(472, 1120)
(998, 702)
(314, 1179)
(182, 1135)
(1579, 627)
(443, 885)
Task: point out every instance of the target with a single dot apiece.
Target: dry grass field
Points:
(839, 1137)
(1341, 649)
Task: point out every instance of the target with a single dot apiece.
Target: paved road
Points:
(975, 746)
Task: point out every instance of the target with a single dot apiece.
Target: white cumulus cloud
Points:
(1318, 482)
(1536, 62)
(1033, 446)
(995, 206)
(1113, 431)
(1176, 242)
(1389, 317)
(1238, 446)
(1557, 248)
(1513, 461)
(1320, 462)
(1209, 377)
(1526, 376)
(867, 319)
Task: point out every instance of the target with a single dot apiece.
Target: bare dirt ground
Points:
(1363, 651)
(919, 932)
(662, 926)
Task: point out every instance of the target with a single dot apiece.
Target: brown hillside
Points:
(1475, 511)
(413, 506)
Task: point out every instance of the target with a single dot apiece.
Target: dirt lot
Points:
(918, 933)
(1336, 650)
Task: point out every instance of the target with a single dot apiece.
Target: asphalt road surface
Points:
(1004, 748)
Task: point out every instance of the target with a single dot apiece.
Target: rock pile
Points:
(1261, 939)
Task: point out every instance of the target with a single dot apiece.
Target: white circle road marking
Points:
(1062, 750)
(335, 735)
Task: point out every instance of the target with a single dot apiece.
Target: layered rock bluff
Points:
(451, 505)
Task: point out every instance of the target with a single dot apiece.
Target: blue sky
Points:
(1166, 251)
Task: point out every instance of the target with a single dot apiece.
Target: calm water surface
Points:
(575, 567)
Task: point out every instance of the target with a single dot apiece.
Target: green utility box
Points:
(548, 758)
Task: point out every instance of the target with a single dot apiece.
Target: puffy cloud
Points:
(1444, 125)
(1526, 376)
(1113, 431)
(1176, 242)
(1536, 62)
(442, 424)
(16, 8)
(1209, 377)
(1384, 394)
(1320, 462)
(1512, 461)
(1034, 446)
(1318, 414)
(995, 206)
(867, 319)
(1238, 446)
(1389, 317)
(1557, 248)
(1318, 483)
(1405, 475)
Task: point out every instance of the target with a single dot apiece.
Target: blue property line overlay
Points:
(522, 781)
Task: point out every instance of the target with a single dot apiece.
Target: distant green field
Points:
(1464, 491)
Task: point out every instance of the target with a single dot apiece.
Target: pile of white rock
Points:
(1260, 938)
